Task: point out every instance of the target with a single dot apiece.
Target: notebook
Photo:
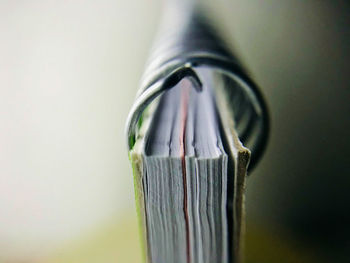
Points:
(189, 169)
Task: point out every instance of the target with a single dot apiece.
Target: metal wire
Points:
(188, 41)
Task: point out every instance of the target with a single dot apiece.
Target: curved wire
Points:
(173, 71)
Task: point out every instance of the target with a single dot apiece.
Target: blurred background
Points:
(69, 71)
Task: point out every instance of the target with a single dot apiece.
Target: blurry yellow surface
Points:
(118, 242)
(266, 246)
(115, 242)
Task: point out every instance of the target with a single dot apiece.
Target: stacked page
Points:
(189, 177)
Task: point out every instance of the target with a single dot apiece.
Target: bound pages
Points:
(189, 169)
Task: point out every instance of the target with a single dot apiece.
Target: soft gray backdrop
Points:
(68, 74)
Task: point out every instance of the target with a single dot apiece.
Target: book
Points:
(188, 134)
(188, 175)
